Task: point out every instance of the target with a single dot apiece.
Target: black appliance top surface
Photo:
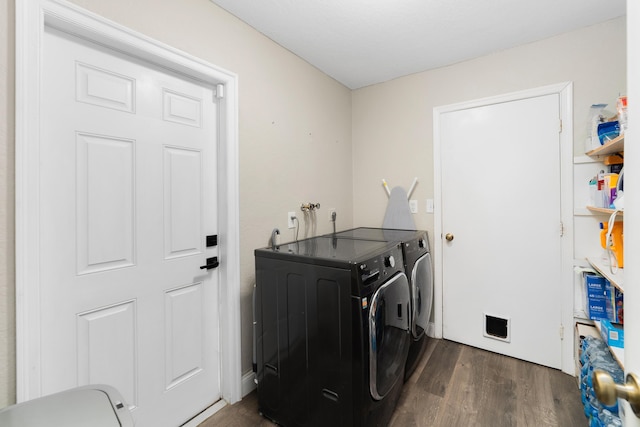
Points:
(342, 250)
(380, 234)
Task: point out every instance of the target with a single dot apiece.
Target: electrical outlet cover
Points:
(413, 205)
(290, 222)
(430, 205)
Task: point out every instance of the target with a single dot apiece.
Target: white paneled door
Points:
(128, 196)
(501, 224)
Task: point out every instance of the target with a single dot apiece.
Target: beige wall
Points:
(303, 136)
(393, 123)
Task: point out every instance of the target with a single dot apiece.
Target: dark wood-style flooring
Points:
(457, 385)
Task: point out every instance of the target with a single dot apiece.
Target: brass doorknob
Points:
(607, 391)
(449, 237)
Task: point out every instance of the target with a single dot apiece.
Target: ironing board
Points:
(398, 214)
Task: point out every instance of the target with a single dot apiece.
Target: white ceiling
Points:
(362, 42)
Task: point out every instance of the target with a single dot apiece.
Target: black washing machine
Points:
(332, 331)
(419, 269)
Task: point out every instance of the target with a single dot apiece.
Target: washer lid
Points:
(78, 407)
(327, 248)
(381, 234)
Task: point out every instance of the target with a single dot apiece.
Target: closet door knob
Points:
(449, 237)
(607, 391)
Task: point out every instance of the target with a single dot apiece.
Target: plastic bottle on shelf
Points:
(596, 355)
(621, 108)
(608, 419)
(597, 115)
(593, 191)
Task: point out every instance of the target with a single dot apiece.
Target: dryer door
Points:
(422, 295)
(388, 334)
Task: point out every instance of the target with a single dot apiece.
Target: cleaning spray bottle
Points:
(616, 242)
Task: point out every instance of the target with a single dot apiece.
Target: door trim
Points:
(32, 17)
(565, 93)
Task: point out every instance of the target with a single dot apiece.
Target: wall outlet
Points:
(430, 205)
(331, 212)
(413, 205)
(290, 219)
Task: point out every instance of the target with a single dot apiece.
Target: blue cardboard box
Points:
(596, 285)
(604, 301)
(598, 309)
(612, 333)
(615, 303)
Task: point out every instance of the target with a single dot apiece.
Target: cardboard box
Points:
(598, 309)
(596, 285)
(615, 304)
(612, 333)
(604, 301)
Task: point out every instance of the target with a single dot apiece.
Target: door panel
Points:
(185, 334)
(501, 205)
(105, 205)
(182, 198)
(128, 193)
(107, 348)
(105, 88)
(182, 108)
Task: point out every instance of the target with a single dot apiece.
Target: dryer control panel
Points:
(374, 271)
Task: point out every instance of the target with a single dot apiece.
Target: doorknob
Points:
(607, 391)
(211, 263)
(449, 237)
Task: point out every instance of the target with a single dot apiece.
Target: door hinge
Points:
(561, 332)
(219, 91)
(560, 126)
(561, 229)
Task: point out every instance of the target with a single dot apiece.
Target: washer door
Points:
(389, 317)
(422, 295)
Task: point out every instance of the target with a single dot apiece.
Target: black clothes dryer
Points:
(419, 269)
(332, 331)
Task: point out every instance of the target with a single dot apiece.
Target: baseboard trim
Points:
(248, 383)
(198, 419)
(431, 330)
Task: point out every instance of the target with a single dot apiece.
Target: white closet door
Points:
(501, 271)
(128, 195)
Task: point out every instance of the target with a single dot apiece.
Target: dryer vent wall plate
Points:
(497, 327)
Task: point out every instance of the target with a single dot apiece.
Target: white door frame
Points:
(565, 293)
(32, 17)
(632, 209)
